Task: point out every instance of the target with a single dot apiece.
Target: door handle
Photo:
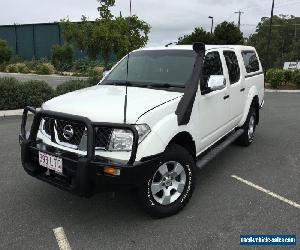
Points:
(226, 97)
(242, 90)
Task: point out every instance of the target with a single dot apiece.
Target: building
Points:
(34, 40)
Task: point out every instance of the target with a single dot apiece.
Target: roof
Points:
(208, 47)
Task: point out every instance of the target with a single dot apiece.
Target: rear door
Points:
(237, 89)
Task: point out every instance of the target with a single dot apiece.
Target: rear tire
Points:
(172, 185)
(249, 129)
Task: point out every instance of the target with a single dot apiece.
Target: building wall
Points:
(34, 40)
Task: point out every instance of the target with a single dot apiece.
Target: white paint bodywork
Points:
(212, 116)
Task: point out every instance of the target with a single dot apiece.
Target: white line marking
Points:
(292, 203)
(61, 239)
(282, 91)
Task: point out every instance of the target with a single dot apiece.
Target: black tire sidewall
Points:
(251, 113)
(172, 153)
(244, 140)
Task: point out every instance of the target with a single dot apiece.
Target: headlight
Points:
(122, 139)
(143, 130)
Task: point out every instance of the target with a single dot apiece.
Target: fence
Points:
(34, 40)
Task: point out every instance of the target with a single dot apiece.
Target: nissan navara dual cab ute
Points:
(155, 117)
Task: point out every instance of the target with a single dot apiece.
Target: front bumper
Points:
(82, 175)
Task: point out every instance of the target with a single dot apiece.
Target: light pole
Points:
(212, 24)
(269, 37)
(239, 22)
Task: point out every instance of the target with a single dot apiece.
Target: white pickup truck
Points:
(155, 117)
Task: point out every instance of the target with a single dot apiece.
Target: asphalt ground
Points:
(220, 210)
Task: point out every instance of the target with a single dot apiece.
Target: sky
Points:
(169, 19)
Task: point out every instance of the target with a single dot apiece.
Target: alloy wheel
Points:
(168, 182)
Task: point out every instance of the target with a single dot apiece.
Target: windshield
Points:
(155, 67)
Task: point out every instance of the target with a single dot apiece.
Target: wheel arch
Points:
(252, 101)
(255, 105)
(185, 140)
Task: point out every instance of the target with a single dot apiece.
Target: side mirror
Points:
(105, 73)
(216, 82)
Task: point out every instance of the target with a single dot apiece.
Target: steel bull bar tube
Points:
(84, 168)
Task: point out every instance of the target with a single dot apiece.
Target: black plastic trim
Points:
(254, 74)
(81, 174)
(38, 115)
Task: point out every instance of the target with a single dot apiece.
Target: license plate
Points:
(51, 162)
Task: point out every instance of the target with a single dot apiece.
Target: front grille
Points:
(77, 131)
(102, 137)
(47, 125)
(59, 127)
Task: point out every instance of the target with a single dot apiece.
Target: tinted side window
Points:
(233, 66)
(212, 66)
(250, 61)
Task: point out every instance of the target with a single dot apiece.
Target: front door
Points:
(214, 106)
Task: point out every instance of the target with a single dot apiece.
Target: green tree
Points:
(5, 52)
(285, 42)
(198, 35)
(106, 34)
(228, 33)
(104, 10)
(293, 53)
(62, 57)
(224, 33)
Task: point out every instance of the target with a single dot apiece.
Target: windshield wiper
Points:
(143, 85)
(119, 83)
(165, 85)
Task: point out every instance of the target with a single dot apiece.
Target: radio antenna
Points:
(127, 64)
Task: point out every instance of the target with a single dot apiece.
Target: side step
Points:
(214, 151)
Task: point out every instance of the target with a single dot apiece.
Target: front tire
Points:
(172, 185)
(249, 129)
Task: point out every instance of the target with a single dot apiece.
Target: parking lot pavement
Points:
(220, 210)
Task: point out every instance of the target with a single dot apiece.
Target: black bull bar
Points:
(30, 144)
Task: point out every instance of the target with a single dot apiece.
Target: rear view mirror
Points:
(216, 82)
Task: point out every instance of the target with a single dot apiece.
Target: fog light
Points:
(112, 171)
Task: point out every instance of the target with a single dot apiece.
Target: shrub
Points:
(17, 68)
(17, 95)
(296, 78)
(33, 64)
(275, 77)
(45, 69)
(10, 94)
(12, 68)
(84, 65)
(3, 67)
(36, 92)
(94, 80)
(5, 52)
(62, 57)
(72, 85)
(288, 76)
(22, 68)
(95, 74)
